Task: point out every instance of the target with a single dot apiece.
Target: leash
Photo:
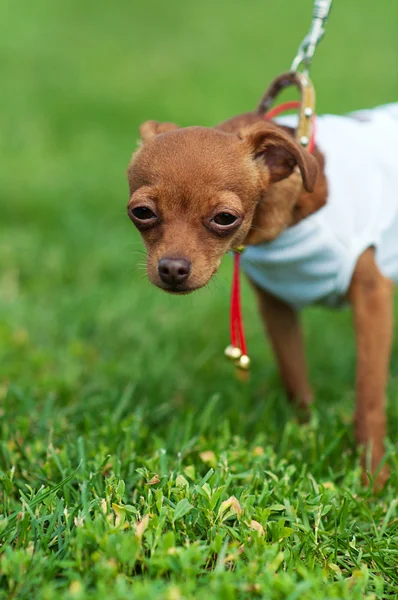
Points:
(308, 46)
(305, 135)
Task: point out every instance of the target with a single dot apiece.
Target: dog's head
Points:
(193, 193)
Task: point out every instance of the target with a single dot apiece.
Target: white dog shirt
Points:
(313, 261)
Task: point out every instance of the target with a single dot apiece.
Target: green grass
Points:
(132, 463)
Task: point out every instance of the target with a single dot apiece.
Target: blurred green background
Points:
(77, 80)
(77, 314)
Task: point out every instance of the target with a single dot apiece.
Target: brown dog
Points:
(196, 193)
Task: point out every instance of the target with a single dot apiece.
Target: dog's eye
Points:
(142, 213)
(224, 219)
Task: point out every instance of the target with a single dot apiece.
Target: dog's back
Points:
(313, 262)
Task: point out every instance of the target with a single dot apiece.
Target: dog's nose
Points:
(174, 271)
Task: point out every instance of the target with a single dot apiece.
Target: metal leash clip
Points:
(307, 47)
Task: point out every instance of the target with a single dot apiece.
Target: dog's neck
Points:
(286, 203)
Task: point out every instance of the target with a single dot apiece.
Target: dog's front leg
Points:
(371, 295)
(283, 326)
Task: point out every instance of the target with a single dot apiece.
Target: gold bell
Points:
(243, 362)
(232, 352)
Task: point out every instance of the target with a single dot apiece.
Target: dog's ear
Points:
(150, 129)
(280, 153)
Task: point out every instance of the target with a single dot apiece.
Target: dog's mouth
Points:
(177, 290)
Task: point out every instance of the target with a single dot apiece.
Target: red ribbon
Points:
(236, 322)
